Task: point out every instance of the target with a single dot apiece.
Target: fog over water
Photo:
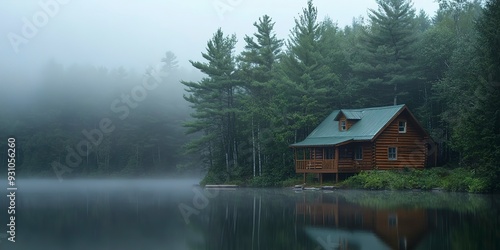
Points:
(103, 184)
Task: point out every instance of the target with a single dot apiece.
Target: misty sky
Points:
(135, 34)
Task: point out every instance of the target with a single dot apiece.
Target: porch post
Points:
(295, 158)
(304, 178)
(336, 164)
(320, 179)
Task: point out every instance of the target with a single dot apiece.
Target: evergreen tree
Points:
(449, 69)
(213, 101)
(387, 71)
(477, 133)
(258, 62)
(335, 49)
(313, 87)
(169, 62)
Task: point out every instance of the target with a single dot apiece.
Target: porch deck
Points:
(326, 166)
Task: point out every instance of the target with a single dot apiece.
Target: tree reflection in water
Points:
(145, 215)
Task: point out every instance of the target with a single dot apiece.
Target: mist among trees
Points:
(235, 113)
(59, 127)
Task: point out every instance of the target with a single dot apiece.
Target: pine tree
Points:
(213, 100)
(312, 83)
(170, 62)
(477, 133)
(386, 70)
(258, 62)
(448, 65)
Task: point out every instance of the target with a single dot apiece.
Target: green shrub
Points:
(459, 179)
(478, 185)
(292, 182)
(213, 178)
(262, 181)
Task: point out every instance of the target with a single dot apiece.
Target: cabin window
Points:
(343, 125)
(402, 126)
(392, 153)
(358, 153)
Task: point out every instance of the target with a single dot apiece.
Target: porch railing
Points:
(315, 164)
(327, 165)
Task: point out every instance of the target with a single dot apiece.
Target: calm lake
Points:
(176, 214)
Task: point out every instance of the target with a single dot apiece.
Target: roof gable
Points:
(371, 121)
(349, 114)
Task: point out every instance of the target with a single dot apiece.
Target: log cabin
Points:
(352, 140)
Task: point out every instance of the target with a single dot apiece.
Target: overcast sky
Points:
(135, 34)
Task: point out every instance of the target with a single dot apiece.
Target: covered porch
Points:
(325, 160)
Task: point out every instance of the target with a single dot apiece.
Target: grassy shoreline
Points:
(455, 180)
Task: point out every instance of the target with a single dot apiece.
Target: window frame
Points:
(360, 148)
(395, 158)
(404, 128)
(343, 125)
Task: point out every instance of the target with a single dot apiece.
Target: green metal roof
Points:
(371, 121)
(350, 114)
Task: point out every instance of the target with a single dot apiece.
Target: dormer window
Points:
(402, 126)
(343, 125)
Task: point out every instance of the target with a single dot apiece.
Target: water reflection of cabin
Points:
(351, 140)
(349, 225)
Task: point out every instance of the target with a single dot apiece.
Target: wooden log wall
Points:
(367, 162)
(411, 148)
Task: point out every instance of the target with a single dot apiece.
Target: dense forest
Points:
(249, 106)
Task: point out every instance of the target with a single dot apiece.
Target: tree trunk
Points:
(395, 94)
(211, 155)
(235, 154)
(258, 149)
(227, 162)
(253, 148)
